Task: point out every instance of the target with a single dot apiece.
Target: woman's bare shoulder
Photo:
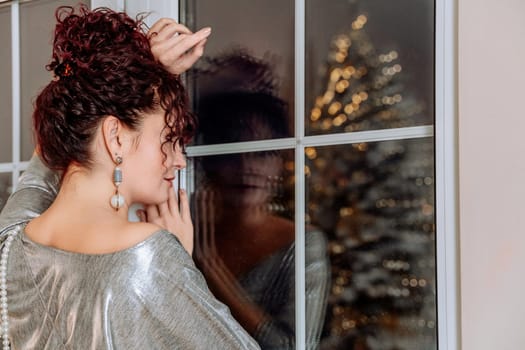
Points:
(89, 239)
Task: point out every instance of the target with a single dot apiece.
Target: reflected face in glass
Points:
(245, 179)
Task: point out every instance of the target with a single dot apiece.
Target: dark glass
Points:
(245, 234)
(6, 119)
(251, 48)
(5, 188)
(369, 65)
(375, 203)
(37, 25)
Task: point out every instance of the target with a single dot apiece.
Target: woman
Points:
(113, 124)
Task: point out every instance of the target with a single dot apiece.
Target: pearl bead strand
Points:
(3, 288)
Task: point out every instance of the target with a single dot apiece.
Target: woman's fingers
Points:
(158, 25)
(184, 206)
(169, 31)
(166, 23)
(187, 60)
(141, 214)
(189, 40)
(171, 219)
(179, 52)
(172, 202)
(179, 45)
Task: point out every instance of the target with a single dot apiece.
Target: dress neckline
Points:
(26, 239)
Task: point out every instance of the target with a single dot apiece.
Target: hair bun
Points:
(84, 39)
(103, 66)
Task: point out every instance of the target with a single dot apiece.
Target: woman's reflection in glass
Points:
(245, 243)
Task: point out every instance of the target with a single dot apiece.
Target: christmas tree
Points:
(375, 201)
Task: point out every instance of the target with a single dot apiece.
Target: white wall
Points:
(491, 78)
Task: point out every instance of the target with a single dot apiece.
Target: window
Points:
(328, 210)
(27, 29)
(349, 161)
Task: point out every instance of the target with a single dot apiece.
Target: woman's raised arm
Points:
(35, 191)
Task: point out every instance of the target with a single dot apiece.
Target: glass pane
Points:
(37, 24)
(244, 228)
(375, 202)
(370, 65)
(6, 148)
(251, 49)
(5, 188)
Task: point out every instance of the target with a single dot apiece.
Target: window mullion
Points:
(369, 136)
(447, 260)
(405, 133)
(15, 86)
(241, 147)
(300, 205)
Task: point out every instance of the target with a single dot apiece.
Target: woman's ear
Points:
(112, 130)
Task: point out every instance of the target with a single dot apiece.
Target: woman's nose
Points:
(178, 158)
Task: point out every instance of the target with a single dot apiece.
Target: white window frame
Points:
(15, 165)
(446, 176)
(444, 131)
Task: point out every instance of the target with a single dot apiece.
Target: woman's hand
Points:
(168, 216)
(175, 46)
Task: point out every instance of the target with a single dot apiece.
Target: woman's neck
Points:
(81, 219)
(85, 195)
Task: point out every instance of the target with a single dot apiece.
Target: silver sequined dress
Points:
(149, 296)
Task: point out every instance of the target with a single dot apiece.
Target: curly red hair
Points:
(110, 71)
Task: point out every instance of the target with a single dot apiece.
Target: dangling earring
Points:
(117, 200)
